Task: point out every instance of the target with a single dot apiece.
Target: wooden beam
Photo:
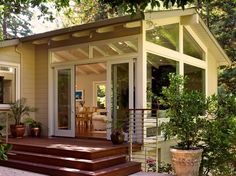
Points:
(91, 69)
(189, 19)
(61, 37)
(119, 51)
(103, 66)
(82, 51)
(40, 42)
(105, 29)
(100, 51)
(81, 34)
(132, 24)
(131, 45)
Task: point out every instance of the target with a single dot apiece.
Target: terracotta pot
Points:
(17, 131)
(117, 137)
(35, 132)
(186, 162)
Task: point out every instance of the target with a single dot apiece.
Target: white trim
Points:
(98, 60)
(50, 97)
(95, 83)
(68, 132)
(17, 79)
(174, 55)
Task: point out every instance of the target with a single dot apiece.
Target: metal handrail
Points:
(138, 124)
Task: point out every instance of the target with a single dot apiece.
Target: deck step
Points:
(77, 153)
(77, 163)
(123, 169)
(71, 160)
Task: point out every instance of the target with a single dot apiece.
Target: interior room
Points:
(90, 95)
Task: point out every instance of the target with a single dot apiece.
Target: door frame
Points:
(58, 132)
(131, 62)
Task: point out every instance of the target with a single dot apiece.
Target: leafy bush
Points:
(4, 148)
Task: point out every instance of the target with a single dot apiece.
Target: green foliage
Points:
(4, 148)
(219, 137)
(220, 17)
(19, 109)
(185, 110)
(32, 123)
(227, 79)
(131, 6)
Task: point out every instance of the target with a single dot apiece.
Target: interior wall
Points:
(85, 82)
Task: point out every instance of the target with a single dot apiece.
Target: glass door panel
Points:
(65, 120)
(120, 93)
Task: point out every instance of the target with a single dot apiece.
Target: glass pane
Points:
(64, 99)
(115, 48)
(158, 69)
(196, 77)
(7, 84)
(120, 94)
(166, 36)
(72, 54)
(101, 96)
(191, 47)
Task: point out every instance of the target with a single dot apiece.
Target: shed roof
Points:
(199, 28)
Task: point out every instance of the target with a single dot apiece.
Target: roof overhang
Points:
(187, 16)
(7, 43)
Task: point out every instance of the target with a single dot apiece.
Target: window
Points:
(191, 47)
(166, 36)
(196, 78)
(7, 84)
(158, 69)
(100, 94)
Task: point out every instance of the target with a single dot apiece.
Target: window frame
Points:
(95, 83)
(17, 84)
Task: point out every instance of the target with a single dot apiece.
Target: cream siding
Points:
(9, 54)
(41, 86)
(28, 73)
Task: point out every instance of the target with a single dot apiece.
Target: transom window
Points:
(191, 47)
(166, 36)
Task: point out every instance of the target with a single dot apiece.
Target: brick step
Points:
(123, 169)
(70, 152)
(83, 164)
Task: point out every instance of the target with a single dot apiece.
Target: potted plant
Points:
(185, 112)
(117, 134)
(4, 148)
(18, 110)
(35, 127)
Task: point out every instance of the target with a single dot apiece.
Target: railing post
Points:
(157, 161)
(130, 135)
(7, 127)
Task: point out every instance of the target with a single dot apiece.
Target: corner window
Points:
(166, 36)
(191, 47)
(7, 84)
(196, 78)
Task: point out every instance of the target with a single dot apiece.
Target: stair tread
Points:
(97, 160)
(72, 170)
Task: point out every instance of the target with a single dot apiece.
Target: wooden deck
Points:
(70, 156)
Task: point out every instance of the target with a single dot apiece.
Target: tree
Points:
(220, 18)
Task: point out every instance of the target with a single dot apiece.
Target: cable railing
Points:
(144, 128)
